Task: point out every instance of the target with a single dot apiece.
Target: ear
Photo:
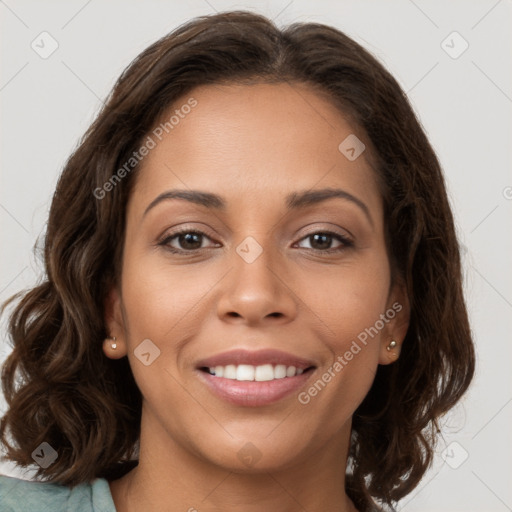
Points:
(115, 325)
(398, 317)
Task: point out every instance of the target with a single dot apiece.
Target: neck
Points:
(175, 479)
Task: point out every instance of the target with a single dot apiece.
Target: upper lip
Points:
(255, 358)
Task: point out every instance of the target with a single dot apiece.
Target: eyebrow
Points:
(293, 201)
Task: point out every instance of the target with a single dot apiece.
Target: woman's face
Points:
(278, 274)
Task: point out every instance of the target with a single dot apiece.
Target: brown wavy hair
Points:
(79, 401)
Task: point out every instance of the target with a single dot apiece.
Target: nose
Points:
(257, 292)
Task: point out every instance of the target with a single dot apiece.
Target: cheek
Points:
(161, 299)
(160, 303)
(348, 299)
(350, 304)
(158, 296)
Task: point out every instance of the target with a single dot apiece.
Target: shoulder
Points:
(17, 495)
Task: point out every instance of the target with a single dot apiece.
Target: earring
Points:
(392, 345)
(114, 344)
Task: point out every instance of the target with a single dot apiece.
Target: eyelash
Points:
(347, 243)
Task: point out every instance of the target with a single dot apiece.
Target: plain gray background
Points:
(464, 103)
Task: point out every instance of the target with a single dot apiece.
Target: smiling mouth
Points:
(260, 373)
(248, 378)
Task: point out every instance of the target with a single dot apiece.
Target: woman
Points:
(253, 296)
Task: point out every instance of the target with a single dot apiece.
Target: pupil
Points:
(188, 239)
(326, 239)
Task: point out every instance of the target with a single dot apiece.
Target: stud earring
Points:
(114, 344)
(392, 345)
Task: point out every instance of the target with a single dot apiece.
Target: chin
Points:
(260, 454)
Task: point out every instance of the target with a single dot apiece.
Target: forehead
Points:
(253, 143)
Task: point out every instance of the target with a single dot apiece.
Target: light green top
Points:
(18, 495)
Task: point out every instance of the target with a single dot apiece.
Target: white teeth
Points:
(265, 372)
(290, 371)
(245, 372)
(230, 371)
(280, 371)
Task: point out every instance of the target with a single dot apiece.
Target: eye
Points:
(322, 240)
(187, 240)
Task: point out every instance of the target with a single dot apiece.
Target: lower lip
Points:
(253, 393)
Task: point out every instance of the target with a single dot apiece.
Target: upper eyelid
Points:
(204, 231)
(180, 231)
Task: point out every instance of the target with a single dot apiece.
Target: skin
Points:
(253, 145)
